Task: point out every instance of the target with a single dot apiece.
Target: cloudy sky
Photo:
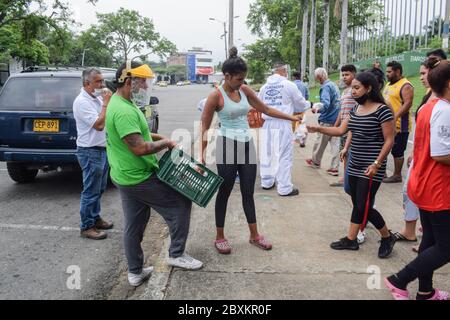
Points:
(185, 23)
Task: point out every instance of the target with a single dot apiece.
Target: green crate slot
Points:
(179, 171)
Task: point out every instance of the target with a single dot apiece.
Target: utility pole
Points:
(446, 26)
(231, 25)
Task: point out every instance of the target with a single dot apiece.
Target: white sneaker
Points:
(185, 262)
(137, 279)
(361, 237)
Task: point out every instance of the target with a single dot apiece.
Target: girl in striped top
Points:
(371, 129)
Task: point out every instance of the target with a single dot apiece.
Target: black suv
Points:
(37, 127)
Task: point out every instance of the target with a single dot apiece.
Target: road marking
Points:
(45, 228)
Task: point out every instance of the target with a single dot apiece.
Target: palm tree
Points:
(312, 44)
(341, 11)
(304, 7)
(326, 34)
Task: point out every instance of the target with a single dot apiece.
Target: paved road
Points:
(39, 235)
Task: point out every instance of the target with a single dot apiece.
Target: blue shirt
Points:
(303, 87)
(330, 97)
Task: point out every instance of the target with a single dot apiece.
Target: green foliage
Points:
(126, 31)
(261, 56)
(282, 19)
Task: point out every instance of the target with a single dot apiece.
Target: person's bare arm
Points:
(330, 131)
(256, 103)
(443, 159)
(211, 106)
(157, 137)
(388, 128)
(139, 147)
(338, 120)
(407, 94)
(99, 125)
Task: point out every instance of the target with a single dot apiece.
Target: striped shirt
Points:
(367, 141)
(347, 103)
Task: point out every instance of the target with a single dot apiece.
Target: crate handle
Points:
(198, 169)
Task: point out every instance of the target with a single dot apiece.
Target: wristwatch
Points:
(377, 164)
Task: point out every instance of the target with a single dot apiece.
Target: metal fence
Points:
(396, 26)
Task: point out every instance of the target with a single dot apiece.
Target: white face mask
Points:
(97, 92)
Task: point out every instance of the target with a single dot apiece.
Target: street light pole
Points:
(224, 34)
(231, 24)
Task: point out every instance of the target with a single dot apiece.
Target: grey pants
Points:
(320, 145)
(172, 206)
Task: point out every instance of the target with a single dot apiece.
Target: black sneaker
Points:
(345, 244)
(270, 188)
(386, 246)
(294, 192)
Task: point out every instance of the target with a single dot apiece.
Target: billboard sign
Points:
(191, 64)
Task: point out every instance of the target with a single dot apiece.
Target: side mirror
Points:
(154, 100)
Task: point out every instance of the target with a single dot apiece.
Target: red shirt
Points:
(429, 182)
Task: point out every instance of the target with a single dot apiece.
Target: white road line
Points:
(46, 228)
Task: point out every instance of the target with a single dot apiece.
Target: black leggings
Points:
(233, 157)
(359, 189)
(434, 251)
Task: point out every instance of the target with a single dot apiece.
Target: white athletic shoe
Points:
(186, 262)
(361, 237)
(137, 279)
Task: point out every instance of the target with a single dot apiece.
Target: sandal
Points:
(222, 246)
(261, 243)
(400, 237)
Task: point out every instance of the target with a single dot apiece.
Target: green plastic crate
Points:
(188, 177)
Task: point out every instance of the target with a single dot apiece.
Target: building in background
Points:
(177, 59)
(204, 65)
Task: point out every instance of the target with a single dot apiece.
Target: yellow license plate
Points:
(46, 125)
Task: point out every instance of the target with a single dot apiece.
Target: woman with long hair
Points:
(429, 189)
(371, 130)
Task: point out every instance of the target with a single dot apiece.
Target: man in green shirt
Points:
(131, 150)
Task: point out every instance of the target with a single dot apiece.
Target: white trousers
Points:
(276, 155)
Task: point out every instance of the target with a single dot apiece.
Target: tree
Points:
(126, 32)
(343, 12)
(28, 24)
(279, 18)
(304, 44)
(96, 51)
(261, 56)
(326, 32)
(312, 43)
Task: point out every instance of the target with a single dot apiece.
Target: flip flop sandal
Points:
(261, 243)
(397, 293)
(222, 246)
(399, 237)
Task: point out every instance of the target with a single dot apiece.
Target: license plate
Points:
(46, 125)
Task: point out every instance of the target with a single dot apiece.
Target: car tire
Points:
(19, 172)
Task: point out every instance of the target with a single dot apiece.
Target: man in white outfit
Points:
(277, 138)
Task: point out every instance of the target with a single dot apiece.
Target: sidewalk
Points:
(301, 264)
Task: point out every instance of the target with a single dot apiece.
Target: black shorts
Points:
(400, 144)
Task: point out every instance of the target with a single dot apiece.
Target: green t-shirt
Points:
(124, 118)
